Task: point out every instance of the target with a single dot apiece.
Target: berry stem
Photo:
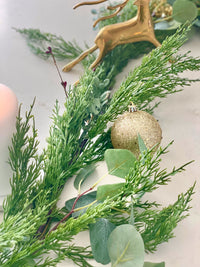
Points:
(63, 83)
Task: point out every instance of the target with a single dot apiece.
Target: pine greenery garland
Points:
(76, 140)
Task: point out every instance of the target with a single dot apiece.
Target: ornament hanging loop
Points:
(132, 107)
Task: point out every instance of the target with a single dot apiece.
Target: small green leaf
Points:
(106, 83)
(167, 25)
(27, 262)
(119, 161)
(99, 233)
(95, 106)
(141, 143)
(151, 264)
(173, 24)
(126, 247)
(108, 190)
(95, 82)
(164, 25)
(184, 10)
(83, 175)
(82, 202)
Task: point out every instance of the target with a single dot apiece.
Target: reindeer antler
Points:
(89, 3)
(122, 5)
(119, 7)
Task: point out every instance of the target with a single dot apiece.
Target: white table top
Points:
(179, 114)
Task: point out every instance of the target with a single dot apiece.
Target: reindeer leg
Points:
(70, 65)
(100, 56)
(155, 42)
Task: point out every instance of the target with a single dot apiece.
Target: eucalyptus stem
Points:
(72, 210)
(163, 19)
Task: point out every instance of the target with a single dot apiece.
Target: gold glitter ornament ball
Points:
(125, 130)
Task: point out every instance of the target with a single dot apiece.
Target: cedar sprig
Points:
(161, 228)
(38, 42)
(25, 164)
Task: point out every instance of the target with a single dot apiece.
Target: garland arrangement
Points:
(121, 224)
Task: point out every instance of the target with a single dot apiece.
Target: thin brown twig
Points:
(63, 83)
(72, 210)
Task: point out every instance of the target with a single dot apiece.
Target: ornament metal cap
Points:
(132, 107)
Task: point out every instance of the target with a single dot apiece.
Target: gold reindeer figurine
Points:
(139, 28)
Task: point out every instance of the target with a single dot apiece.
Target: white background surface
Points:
(179, 114)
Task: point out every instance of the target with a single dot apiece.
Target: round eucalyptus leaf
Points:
(164, 25)
(83, 175)
(167, 25)
(126, 247)
(99, 234)
(81, 203)
(108, 190)
(184, 10)
(119, 161)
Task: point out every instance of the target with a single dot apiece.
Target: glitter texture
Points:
(126, 128)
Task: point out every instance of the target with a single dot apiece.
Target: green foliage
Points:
(39, 42)
(150, 264)
(132, 219)
(81, 203)
(99, 234)
(126, 247)
(83, 175)
(166, 25)
(142, 146)
(25, 163)
(69, 146)
(28, 221)
(27, 262)
(164, 221)
(197, 23)
(153, 78)
(147, 174)
(18, 240)
(77, 140)
(119, 161)
(184, 11)
(108, 190)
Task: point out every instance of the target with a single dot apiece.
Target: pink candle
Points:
(8, 112)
